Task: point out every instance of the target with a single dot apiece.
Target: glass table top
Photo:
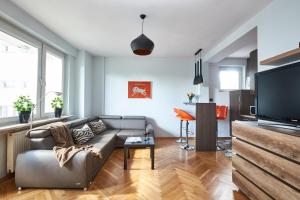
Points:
(142, 141)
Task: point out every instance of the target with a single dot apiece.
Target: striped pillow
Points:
(82, 135)
(97, 127)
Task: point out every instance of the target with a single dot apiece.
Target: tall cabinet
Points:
(251, 69)
(240, 102)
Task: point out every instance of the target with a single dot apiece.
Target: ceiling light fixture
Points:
(142, 45)
(198, 68)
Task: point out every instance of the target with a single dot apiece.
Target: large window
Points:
(27, 67)
(54, 77)
(18, 72)
(230, 78)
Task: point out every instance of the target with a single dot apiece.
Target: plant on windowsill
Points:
(24, 106)
(57, 104)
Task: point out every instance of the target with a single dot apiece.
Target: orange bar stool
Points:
(180, 140)
(184, 116)
(221, 112)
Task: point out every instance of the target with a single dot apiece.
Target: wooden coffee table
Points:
(144, 144)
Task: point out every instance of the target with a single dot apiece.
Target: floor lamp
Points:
(39, 101)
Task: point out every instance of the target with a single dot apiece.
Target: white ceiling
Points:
(178, 28)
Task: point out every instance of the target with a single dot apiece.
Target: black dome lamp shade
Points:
(142, 45)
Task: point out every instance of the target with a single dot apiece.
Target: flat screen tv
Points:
(278, 94)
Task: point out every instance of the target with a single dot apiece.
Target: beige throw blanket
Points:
(65, 148)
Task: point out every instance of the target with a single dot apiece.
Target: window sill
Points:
(17, 127)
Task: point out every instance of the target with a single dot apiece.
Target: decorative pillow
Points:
(82, 135)
(97, 127)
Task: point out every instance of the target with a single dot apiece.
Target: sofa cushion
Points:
(106, 143)
(82, 135)
(133, 122)
(97, 127)
(112, 121)
(100, 141)
(76, 123)
(130, 133)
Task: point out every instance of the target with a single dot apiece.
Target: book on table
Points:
(134, 139)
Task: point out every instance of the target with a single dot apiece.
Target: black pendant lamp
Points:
(198, 79)
(142, 45)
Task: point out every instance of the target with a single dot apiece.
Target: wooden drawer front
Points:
(248, 188)
(285, 170)
(269, 184)
(282, 144)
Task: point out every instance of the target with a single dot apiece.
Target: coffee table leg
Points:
(125, 157)
(152, 157)
(128, 153)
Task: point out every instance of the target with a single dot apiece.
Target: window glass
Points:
(18, 72)
(229, 79)
(54, 78)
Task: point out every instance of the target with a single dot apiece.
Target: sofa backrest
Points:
(124, 122)
(42, 139)
(112, 121)
(134, 122)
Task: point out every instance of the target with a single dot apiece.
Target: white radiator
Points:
(16, 143)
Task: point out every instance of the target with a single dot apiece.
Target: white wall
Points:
(88, 85)
(222, 97)
(171, 79)
(278, 30)
(214, 69)
(88, 79)
(98, 85)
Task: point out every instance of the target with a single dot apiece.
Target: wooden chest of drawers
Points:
(266, 161)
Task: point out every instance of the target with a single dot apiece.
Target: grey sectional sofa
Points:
(38, 167)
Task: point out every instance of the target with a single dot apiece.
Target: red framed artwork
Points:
(139, 89)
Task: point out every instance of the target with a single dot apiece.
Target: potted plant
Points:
(24, 106)
(57, 104)
(190, 96)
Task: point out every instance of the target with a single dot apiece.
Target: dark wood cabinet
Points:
(251, 69)
(240, 102)
(206, 127)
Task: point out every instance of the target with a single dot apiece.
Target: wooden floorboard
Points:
(178, 175)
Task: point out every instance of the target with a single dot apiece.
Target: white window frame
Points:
(237, 68)
(19, 34)
(54, 52)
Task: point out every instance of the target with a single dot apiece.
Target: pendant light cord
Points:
(143, 26)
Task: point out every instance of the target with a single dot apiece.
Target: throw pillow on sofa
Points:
(97, 127)
(82, 135)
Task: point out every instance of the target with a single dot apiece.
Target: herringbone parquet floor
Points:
(178, 175)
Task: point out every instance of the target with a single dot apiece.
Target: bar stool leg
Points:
(187, 146)
(181, 140)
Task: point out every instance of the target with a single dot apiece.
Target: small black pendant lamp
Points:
(142, 45)
(198, 79)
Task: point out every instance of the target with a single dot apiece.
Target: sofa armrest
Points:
(40, 169)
